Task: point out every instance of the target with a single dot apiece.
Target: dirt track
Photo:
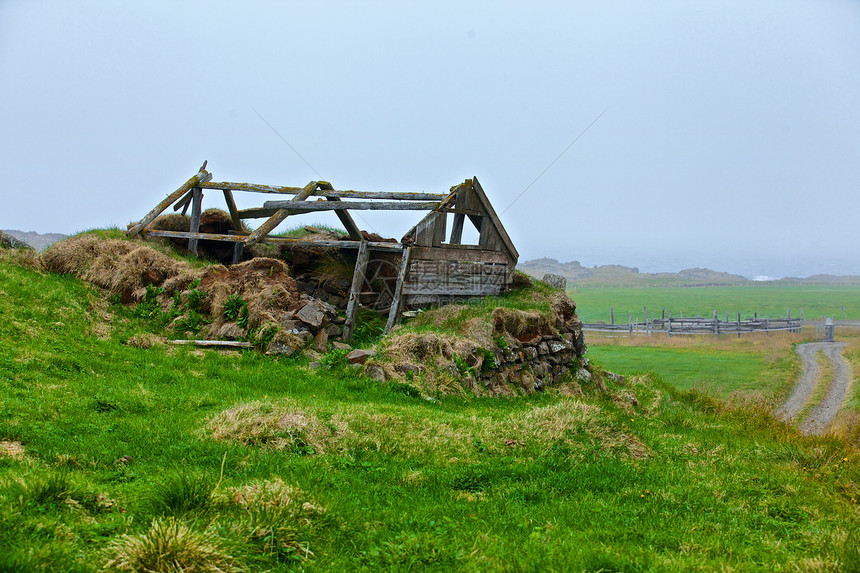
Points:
(820, 417)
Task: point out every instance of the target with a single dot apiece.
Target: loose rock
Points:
(360, 355)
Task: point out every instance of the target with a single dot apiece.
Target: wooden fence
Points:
(697, 325)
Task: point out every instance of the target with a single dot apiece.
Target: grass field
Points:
(770, 301)
(121, 456)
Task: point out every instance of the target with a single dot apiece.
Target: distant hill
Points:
(617, 275)
(38, 241)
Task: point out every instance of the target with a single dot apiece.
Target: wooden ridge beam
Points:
(358, 205)
(342, 194)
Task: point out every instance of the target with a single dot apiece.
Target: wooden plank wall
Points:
(438, 281)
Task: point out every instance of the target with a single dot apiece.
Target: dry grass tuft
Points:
(171, 222)
(170, 546)
(146, 340)
(273, 495)
(11, 449)
(522, 325)
(280, 426)
(122, 268)
(265, 284)
(27, 258)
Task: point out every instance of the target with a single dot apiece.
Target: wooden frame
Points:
(430, 251)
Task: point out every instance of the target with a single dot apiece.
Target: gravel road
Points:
(819, 419)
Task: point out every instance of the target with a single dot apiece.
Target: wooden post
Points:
(394, 311)
(457, 229)
(201, 176)
(345, 218)
(234, 212)
(611, 315)
(196, 209)
(238, 249)
(716, 324)
(355, 290)
(739, 324)
(669, 325)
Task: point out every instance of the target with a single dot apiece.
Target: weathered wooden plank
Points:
(390, 195)
(355, 289)
(231, 208)
(439, 229)
(456, 266)
(376, 246)
(345, 218)
(196, 209)
(342, 194)
(279, 216)
(309, 206)
(460, 253)
(479, 290)
(200, 177)
(183, 203)
(397, 302)
(238, 249)
(216, 343)
(256, 213)
(491, 213)
(457, 229)
(424, 231)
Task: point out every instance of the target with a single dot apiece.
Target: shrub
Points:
(170, 545)
(180, 494)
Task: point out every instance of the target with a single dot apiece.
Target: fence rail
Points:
(697, 325)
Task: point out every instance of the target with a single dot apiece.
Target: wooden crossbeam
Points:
(358, 205)
(345, 218)
(376, 246)
(201, 177)
(279, 216)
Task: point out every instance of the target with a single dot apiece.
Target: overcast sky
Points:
(730, 134)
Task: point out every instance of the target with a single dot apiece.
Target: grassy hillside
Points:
(117, 451)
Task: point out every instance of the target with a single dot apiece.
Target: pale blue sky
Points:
(731, 137)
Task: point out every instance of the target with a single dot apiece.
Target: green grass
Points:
(722, 373)
(770, 301)
(117, 442)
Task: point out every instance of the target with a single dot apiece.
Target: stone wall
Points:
(536, 363)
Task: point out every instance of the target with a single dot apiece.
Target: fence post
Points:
(611, 315)
(716, 324)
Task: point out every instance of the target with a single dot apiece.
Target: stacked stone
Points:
(334, 292)
(314, 323)
(537, 362)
